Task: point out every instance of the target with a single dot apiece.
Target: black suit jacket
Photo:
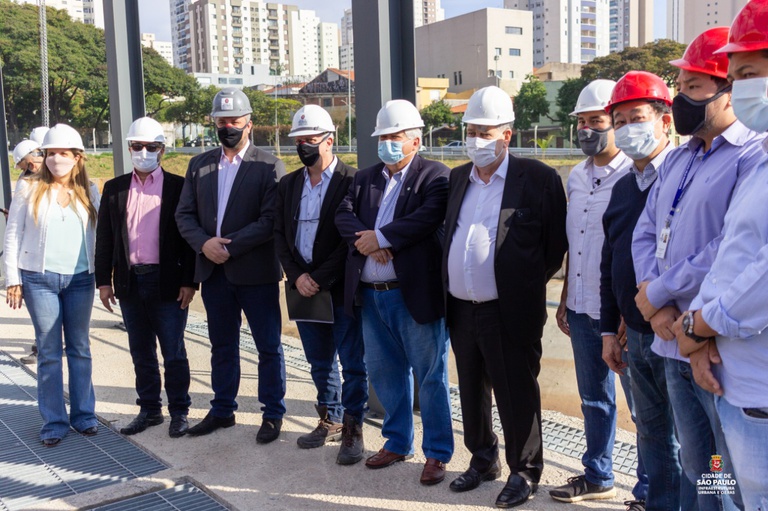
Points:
(329, 252)
(530, 242)
(416, 233)
(248, 218)
(177, 260)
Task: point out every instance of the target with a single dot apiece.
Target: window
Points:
(497, 51)
(511, 75)
(514, 52)
(514, 30)
(327, 102)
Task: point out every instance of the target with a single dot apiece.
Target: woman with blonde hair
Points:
(49, 261)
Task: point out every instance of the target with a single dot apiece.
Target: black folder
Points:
(316, 309)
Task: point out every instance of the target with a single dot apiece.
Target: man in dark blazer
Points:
(142, 260)
(505, 238)
(226, 213)
(392, 221)
(312, 253)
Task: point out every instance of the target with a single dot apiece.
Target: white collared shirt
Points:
(471, 273)
(226, 176)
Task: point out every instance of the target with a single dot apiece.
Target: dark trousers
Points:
(149, 321)
(224, 304)
(487, 359)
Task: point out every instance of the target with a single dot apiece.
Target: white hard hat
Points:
(311, 120)
(145, 129)
(595, 96)
(22, 149)
(489, 106)
(38, 134)
(63, 136)
(395, 116)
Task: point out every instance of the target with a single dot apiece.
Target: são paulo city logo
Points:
(716, 481)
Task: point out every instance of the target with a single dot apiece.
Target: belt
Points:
(143, 269)
(474, 302)
(381, 286)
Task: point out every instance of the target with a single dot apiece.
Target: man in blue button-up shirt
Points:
(677, 237)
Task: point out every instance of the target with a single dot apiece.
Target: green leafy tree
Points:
(544, 144)
(652, 57)
(530, 103)
(342, 131)
(566, 102)
(438, 114)
(163, 82)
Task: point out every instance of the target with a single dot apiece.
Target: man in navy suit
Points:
(392, 219)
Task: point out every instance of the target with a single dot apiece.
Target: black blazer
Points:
(329, 252)
(530, 242)
(248, 219)
(177, 260)
(416, 233)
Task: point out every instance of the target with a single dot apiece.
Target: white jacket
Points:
(25, 241)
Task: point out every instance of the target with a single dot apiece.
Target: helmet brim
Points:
(743, 47)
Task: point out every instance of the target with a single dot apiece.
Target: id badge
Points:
(661, 246)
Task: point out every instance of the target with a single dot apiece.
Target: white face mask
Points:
(638, 140)
(60, 165)
(750, 103)
(145, 161)
(482, 151)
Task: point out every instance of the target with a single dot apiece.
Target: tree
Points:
(530, 103)
(163, 82)
(342, 132)
(543, 144)
(437, 114)
(566, 102)
(653, 57)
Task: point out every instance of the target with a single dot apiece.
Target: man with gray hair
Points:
(392, 221)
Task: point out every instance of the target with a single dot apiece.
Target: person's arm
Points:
(346, 219)
(554, 210)
(284, 253)
(104, 241)
(644, 238)
(186, 215)
(14, 233)
(610, 314)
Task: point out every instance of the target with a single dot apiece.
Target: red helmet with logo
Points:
(749, 31)
(639, 85)
(700, 55)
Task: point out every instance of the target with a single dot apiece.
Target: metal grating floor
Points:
(557, 437)
(185, 497)
(32, 473)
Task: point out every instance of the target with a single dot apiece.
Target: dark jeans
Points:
(487, 358)
(150, 320)
(322, 343)
(224, 304)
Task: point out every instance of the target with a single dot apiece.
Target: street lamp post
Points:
(496, 74)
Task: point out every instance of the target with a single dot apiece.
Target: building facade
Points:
(164, 48)
(181, 34)
(426, 12)
(631, 23)
(90, 12)
(688, 18)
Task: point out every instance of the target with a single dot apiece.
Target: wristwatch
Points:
(688, 328)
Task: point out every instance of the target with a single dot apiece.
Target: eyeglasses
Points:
(37, 153)
(152, 148)
(297, 216)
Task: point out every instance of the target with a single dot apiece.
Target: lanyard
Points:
(683, 186)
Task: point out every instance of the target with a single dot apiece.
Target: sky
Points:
(155, 14)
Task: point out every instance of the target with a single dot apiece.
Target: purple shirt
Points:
(143, 218)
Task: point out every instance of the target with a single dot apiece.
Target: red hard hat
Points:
(699, 56)
(749, 31)
(639, 85)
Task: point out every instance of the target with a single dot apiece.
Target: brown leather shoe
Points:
(433, 473)
(384, 458)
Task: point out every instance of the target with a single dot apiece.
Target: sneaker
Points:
(326, 431)
(635, 505)
(578, 489)
(29, 359)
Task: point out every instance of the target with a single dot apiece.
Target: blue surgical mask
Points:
(750, 103)
(638, 140)
(390, 151)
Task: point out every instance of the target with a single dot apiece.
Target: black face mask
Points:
(230, 136)
(592, 141)
(690, 115)
(310, 153)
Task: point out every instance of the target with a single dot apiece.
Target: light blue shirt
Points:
(734, 294)
(65, 241)
(695, 228)
(308, 215)
(373, 271)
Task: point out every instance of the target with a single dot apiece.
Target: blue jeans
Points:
(700, 436)
(150, 320)
(59, 303)
(224, 304)
(397, 348)
(657, 443)
(747, 438)
(597, 389)
(322, 344)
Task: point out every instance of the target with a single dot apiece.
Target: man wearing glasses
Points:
(142, 260)
(313, 256)
(226, 213)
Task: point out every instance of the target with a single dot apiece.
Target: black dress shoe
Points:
(517, 491)
(269, 431)
(51, 442)
(472, 478)
(179, 426)
(92, 431)
(142, 421)
(210, 424)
